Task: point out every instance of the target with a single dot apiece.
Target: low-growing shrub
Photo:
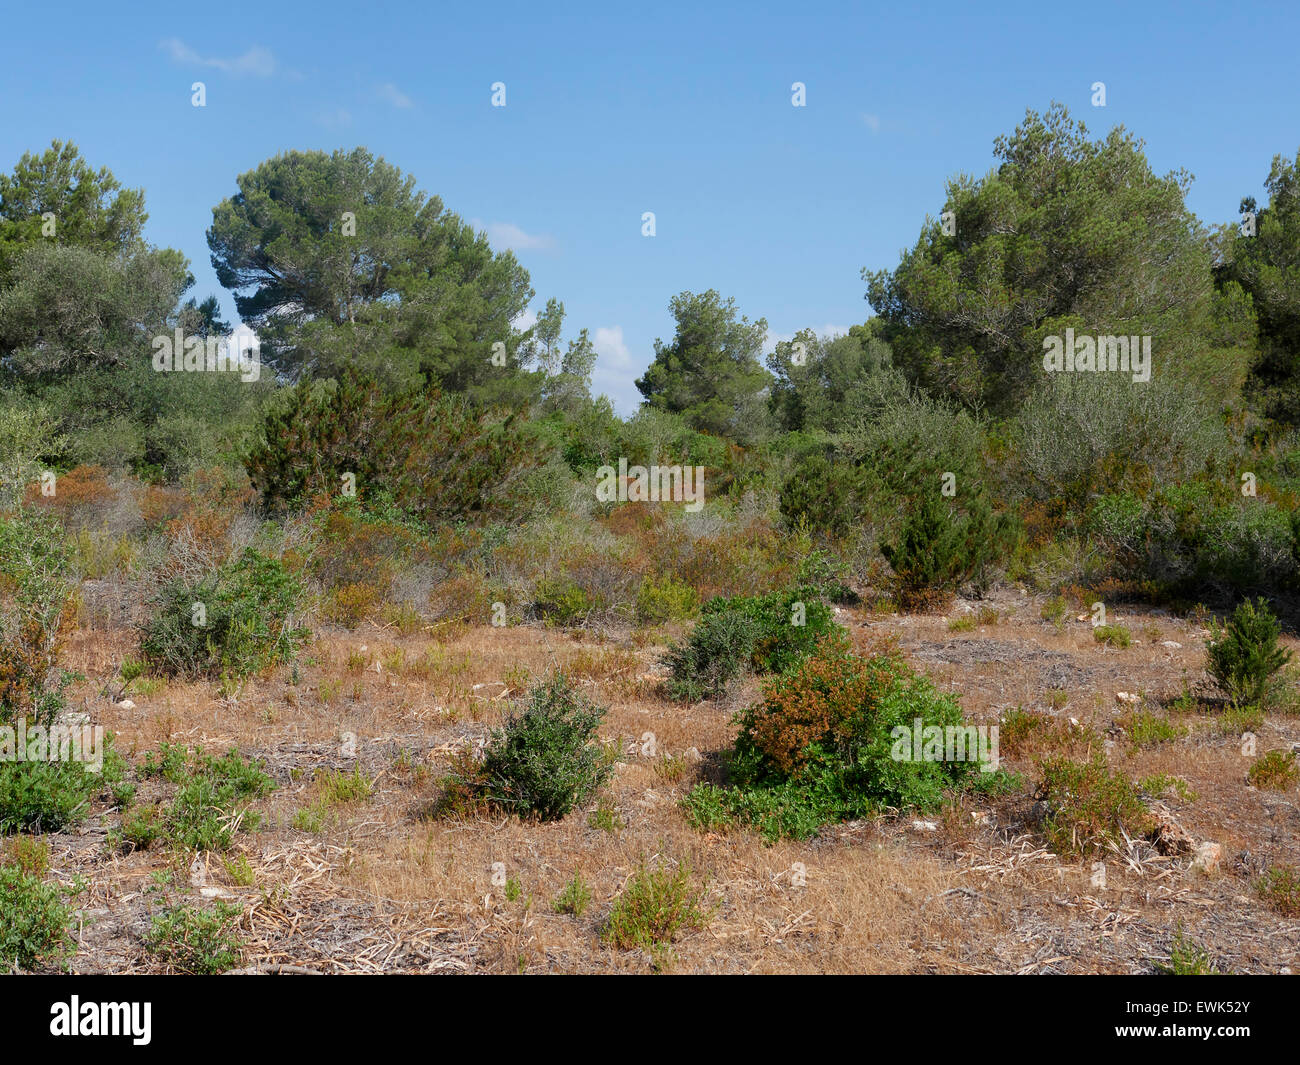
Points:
(574, 899)
(34, 927)
(1280, 888)
(211, 803)
(832, 739)
(543, 763)
(1244, 656)
(655, 908)
(50, 795)
(767, 633)
(1112, 635)
(1088, 806)
(234, 622)
(186, 939)
(666, 600)
(1275, 771)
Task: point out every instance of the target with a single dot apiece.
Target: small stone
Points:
(126, 704)
(691, 754)
(924, 826)
(1206, 859)
(1171, 643)
(1128, 697)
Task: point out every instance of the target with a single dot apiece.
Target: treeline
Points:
(924, 445)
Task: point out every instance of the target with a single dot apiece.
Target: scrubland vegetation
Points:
(391, 686)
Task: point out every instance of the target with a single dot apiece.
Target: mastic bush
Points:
(37, 920)
(767, 633)
(1088, 806)
(821, 746)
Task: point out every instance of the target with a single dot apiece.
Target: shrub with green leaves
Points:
(666, 600)
(211, 802)
(542, 764)
(50, 795)
(34, 928)
(942, 547)
(1087, 805)
(233, 623)
(655, 908)
(186, 939)
(767, 633)
(1244, 656)
(823, 745)
(36, 582)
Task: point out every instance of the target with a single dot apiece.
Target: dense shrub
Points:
(246, 621)
(433, 454)
(656, 906)
(828, 496)
(666, 600)
(767, 633)
(543, 763)
(36, 581)
(1196, 542)
(48, 795)
(211, 802)
(822, 746)
(35, 927)
(1244, 656)
(942, 547)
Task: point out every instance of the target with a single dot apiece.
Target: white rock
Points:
(924, 826)
(126, 704)
(1206, 858)
(1128, 697)
(1171, 643)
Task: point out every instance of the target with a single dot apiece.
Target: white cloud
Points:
(872, 122)
(390, 93)
(509, 235)
(526, 320)
(610, 346)
(257, 61)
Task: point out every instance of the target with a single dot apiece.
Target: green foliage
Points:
(1066, 232)
(942, 547)
(1088, 805)
(1275, 771)
(831, 741)
(248, 621)
(827, 495)
(819, 381)
(710, 371)
(1112, 635)
(36, 925)
(413, 294)
(1244, 656)
(767, 633)
(574, 899)
(433, 455)
(1188, 541)
(544, 761)
(48, 795)
(200, 942)
(36, 582)
(656, 907)
(1280, 888)
(1188, 958)
(667, 599)
(210, 804)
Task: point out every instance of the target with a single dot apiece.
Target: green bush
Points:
(942, 547)
(36, 582)
(666, 600)
(654, 909)
(199, 942)
(1087, 806)
(36, 920)
(830, 741)
(562, 600)
(1244, 657)
(828, 496)
(246, 621)
(47, 796)
(767, 633)
(209, 806)
(543, 763)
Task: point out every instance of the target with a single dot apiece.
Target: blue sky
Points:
(680, 109)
